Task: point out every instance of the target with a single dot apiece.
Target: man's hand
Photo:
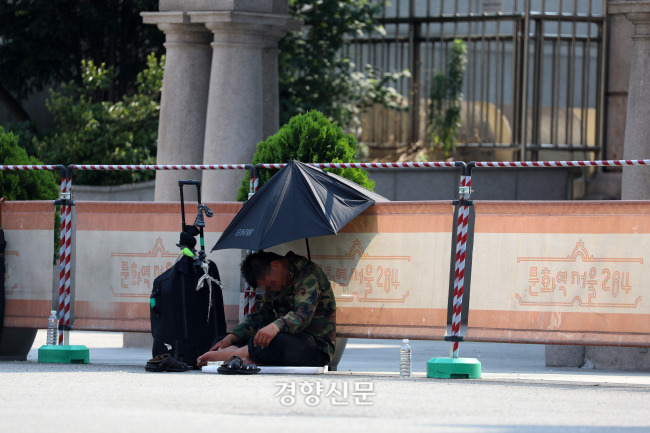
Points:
(265, 335)
(228, 341)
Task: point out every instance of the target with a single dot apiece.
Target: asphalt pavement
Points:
(516, 393)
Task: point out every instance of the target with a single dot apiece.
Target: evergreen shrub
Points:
(308, 137)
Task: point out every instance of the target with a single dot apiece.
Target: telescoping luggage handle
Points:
(199, 222)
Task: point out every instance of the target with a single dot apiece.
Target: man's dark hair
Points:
(256, 265)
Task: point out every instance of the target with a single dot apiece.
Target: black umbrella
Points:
(300, 201)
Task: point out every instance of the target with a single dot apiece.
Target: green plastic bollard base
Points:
(64, 354)
(450, 368)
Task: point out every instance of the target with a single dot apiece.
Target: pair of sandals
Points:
(233, 365)
(236, 365)
(166, 363)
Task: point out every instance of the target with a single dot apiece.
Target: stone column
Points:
(619, 59)
(271, 91)
(184, 100)
(243, 105)
(636, 180)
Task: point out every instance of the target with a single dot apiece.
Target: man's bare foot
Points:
(248, 360)
(229, 348)
(222, 355)
(215, 355)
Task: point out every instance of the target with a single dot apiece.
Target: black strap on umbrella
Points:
(308, 253)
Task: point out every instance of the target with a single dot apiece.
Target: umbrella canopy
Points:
(299, 201)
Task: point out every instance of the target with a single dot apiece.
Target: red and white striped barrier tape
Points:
(602, 163)
(366, 165)
(459, 272)
(162, 167)
(28, 167)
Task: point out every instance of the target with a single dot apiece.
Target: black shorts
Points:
(288, 350)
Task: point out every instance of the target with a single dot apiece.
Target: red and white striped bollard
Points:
(64, 259)
(461, 248)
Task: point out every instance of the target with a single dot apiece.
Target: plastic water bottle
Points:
(52, 328)
(405, 359)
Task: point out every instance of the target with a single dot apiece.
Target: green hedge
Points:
(26, 184)
(23, 185)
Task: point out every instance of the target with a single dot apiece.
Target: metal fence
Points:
(534, 79)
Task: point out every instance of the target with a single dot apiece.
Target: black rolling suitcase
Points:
(185, 321)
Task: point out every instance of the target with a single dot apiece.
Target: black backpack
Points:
(186, 321)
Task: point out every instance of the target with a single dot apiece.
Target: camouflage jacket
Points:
(307, 304)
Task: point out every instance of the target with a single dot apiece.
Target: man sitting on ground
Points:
(296, 322)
